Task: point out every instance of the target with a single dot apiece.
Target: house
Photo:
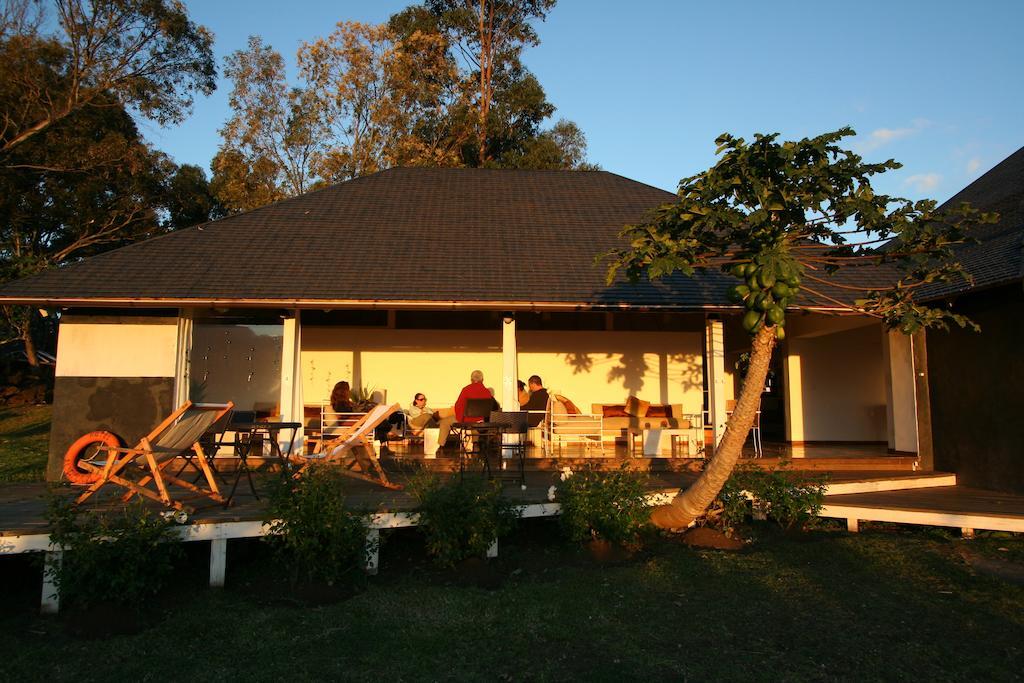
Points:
(408, 279)
(975, 380)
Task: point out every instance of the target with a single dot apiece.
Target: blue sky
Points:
(935, 85)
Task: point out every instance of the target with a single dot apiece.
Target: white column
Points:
(793, 381)
(218, 561)
(291, 380)
(901, 403)
(714, 360)
(509, 365)
(181, 362)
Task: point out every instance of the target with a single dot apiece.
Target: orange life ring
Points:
(72, 472)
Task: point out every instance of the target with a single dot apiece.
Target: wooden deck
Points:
(950, 506)
(910, 497)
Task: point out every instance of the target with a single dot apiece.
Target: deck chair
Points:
(561, 426)
(147, 463)
(352, 449)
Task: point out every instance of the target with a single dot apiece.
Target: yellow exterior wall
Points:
(588, 367)
(117, 348)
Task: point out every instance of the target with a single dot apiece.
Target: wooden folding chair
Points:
(178, 436)
(353, 450)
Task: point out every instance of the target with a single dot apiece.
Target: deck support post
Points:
(852, 525)
(218, 561)
(372, 551)
(492, 551)
(50, 599)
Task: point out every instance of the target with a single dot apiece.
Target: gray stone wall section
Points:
(129, 407)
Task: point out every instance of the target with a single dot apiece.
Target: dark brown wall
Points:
(977, 392)
(128, 407)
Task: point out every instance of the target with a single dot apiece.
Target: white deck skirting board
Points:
(218, 534)
(890, 484)
(855, 513)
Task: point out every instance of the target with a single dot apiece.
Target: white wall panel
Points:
(117, 349)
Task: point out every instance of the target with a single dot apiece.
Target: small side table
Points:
(248, 443)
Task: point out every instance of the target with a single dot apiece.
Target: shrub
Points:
(312, 531)
(121, 556)
(461, 517)
(608, 505)
(783, 496)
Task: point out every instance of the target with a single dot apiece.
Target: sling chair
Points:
(352, 449)
(178, 436)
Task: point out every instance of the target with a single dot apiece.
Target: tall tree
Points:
(372, 97)
(384, 98)
(54, 209)
(272, 136)
(490, 35)
(787, 219)
(189, 199)
(145, 54)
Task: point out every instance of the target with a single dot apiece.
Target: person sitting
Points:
(342, 402)
(538, 403)
(341, 398)
(419, 416)
(524, 395)
(475, 389)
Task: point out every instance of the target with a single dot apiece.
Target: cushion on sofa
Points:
(659, 411)
(614, 411)
(637, 407)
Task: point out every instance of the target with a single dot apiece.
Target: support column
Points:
(919, 352)
(714, 360)
(181, 360)
(793, 381)
(291, 381)
(901, 404)
(509, 364)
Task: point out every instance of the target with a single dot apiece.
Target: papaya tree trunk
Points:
(691, 503)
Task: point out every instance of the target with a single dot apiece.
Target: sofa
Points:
(620, 418)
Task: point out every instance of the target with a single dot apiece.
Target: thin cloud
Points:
(973, 165)
(881, 137)
(923, 182)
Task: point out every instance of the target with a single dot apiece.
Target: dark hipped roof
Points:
(997, 259)
(402, 235)
(407, 236)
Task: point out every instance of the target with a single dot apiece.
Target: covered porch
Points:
(841, 390)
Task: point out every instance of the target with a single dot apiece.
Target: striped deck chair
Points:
(135, 469)
(352, 449)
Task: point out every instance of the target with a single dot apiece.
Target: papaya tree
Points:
(798, 225)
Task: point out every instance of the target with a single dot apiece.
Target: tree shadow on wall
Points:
(631, 368)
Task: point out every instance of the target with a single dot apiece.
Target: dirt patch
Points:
(606, 553)
(1000, 569)
(711, 539)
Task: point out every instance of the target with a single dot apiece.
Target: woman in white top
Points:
(420, 416)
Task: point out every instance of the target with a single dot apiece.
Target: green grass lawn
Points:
(883, 605)
(24, 442)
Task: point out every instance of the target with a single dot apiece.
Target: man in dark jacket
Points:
(538, 400)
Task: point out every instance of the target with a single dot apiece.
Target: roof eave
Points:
(382, 304)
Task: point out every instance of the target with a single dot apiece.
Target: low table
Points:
(654, 441)
(249, 438)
